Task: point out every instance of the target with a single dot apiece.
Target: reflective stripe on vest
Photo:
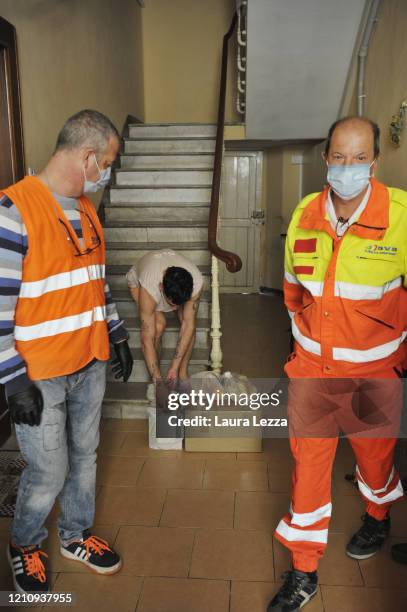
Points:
(64, 280)
(24, 333)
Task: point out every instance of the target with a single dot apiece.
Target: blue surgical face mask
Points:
(349, 181)
(104, 178)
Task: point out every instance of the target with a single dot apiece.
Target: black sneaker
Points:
(369, 539)
(296, 592)
(29, 575)
(93, 552)
(399, 553)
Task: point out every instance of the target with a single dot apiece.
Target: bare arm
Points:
(147, 307)
(187, 331)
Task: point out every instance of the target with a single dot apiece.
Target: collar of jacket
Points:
(371, 224)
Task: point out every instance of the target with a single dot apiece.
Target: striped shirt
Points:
(13, 248)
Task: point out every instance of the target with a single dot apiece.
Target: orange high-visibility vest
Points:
(60, 317)
(347, 297)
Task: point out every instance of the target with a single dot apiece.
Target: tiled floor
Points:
(195, 530)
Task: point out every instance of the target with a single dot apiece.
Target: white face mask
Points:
(104, 178)
(349, 181)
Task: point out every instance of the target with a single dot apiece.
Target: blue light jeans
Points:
(61, 458)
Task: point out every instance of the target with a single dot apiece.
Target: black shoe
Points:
(369, 539)
(93, 552)
(29, 575)
(297, 590)
(399, 553)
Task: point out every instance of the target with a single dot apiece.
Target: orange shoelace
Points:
(95, 544)
(34, 565)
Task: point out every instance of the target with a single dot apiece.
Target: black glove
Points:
(26, 406)
(123, 365)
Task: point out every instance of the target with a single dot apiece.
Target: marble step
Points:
(116, 276)
(124, 253)
(153, 213)
(136, 232)
(165, 130)
(169, 145)
(125, 400)
(199, 362)
(162, 194)
(170, 161)
(157, 178)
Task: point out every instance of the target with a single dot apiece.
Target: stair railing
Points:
(232, 260)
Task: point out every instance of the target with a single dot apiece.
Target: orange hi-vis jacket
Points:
(347, 296)
(60, 317)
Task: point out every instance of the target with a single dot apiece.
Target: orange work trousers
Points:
(368, 412)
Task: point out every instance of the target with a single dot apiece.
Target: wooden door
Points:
(241, 219)
(11, 149)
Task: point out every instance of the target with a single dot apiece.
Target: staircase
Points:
(159, 199)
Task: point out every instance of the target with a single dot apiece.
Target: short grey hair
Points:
(88, 128)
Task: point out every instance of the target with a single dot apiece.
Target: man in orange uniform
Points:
(57, 317)
(345, 275)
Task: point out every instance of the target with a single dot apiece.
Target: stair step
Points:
(162, 224)
(125, 392)
(168, 193)
(128, 252)
(169, 145)
(171, 161)
(199, 362)
(157, 213)
(177, 234)
(163, 130)
(138, 177)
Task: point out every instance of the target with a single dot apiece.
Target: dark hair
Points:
(86, 128)
(372, 124)
(178, 285)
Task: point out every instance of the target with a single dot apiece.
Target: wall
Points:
(182, 45)
(282, 190)
(386, 86)
(74, 54)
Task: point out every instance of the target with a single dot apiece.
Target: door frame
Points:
(258, 231)
(8, 40)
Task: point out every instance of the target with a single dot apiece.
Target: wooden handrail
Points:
(232, 260)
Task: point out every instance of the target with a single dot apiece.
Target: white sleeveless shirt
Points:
(149, 270)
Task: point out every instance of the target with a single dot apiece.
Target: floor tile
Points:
(172, 473)
(101, 593)
(254, 597)
(260, 510)
(356, 599)
(111, 442)
(232, 555)
(251, 456)
(382, 571)
(155, 551)
(125, 424)
(184, 595)
(346, 516)
(58, 563)
(242, 475)
(118, 471)
(136, 445)
(208, 509)
(335, 568)
(129, 505)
